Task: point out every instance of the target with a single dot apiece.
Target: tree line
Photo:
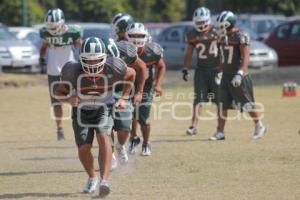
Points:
(13, 12)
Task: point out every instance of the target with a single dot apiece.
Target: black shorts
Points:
(241, 97)
(52, 83)
(88, 122)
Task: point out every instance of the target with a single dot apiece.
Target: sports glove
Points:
(185, 74)
(218, 78)
(237, 79)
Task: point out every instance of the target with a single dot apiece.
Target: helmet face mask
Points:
(55, 21)
(92, 56)
(225, 21)
(202, 19)
(137, 34)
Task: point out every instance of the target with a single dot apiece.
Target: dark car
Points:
(285, 39)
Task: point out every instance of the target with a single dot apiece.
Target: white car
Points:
(27, 33)
(17, 54)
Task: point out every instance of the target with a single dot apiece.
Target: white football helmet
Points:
(202, 19)
(137, 34)
(55, 21)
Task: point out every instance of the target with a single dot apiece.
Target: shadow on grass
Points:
(40, 172)
(180, 140)
(24, 195)
(49, 158)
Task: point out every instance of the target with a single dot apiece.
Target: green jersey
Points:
(230, 51)
(71, 34)
(206, 46)
(151, 54)
(95, 90)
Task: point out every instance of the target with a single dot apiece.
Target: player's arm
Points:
(141, 76)
(129, 79)
(187, 61)
(161, 70)
(62, 91)
(43, 50)
(78, 42)
(244, 57)
(219, 74)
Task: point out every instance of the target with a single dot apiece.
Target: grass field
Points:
(35, 166)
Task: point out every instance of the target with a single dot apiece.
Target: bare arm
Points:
(130, 78)
(63, 90)
(43, 49)
(188, 56)
(78, 42)
(141, 75)
(244, 57)
(161, 70)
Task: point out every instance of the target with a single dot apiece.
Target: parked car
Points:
(263, 25)
(15, 53)
(155, 28)
(285, 39)
(172, 39)
(101, 30)
(27, 33)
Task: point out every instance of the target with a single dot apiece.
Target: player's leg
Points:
(200, 92)
(244, 95)
(143, 113)
(134, 140)
(105, 151)
(56, 106)
(84, 139)
(122, 124)
(224, 103)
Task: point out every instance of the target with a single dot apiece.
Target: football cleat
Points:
(104, 189)
(146, 149)
(122, 154)
(217, 136)
(191, 131)
(259, 132)
(60, 134)
(91, 185)
(134, 142)
(114, 162)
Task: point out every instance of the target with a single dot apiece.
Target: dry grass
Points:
(34, 166)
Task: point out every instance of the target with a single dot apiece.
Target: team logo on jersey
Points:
(59, 41)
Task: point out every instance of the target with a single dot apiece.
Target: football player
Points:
(236, 90)
(203, 38)
(58, 38)
(152, 54)
(128, 53)
(88, 86)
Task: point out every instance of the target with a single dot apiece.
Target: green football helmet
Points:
(202, 19)
(120, 23)
(92, 55)
(111, 47)
(55, 21)
(225, 21)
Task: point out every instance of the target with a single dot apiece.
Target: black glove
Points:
(185, 74)
(42, 61)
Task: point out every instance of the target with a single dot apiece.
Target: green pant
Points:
(205, 88)
(241, 97)
(123, 118)
(142, 111)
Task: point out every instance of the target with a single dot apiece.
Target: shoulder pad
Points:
(127, 47)
(156, 48)
(43, 31)
(117, 66)
(75, 28)
(70, 72)
(190, 34)
(244, 38)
